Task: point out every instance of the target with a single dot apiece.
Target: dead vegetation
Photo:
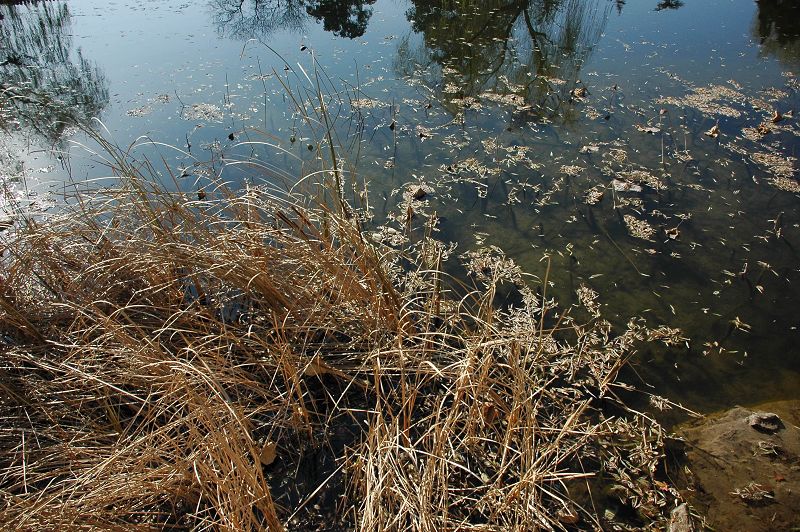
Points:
(251, 361)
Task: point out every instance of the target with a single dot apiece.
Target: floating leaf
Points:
(739, 324)
(268, 453)
(638, 228)
(568, 516)
(202, 112)
(579, 92)
(624, 186)
(594, 195)
(648, 129)
(713, 132)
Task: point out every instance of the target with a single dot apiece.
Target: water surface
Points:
(635, 144)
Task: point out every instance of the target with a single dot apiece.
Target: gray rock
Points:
(726, 453)
(680, 520)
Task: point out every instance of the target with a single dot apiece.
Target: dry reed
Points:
(251, 361)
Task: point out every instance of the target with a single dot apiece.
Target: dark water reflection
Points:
(256, 18)
(249, 19)
(521, 47)
(777, 28)
(47, 83)
(343, 18)
(669, 4)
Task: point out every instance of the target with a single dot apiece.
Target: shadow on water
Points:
(777, 28)
(47, 84)
(258, 19)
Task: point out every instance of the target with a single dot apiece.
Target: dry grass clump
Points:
(639, 228)
(248, 362)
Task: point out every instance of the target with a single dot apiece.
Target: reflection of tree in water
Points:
(346, 19)
(246, 19)
(45, 87)
(777, 27)
(660, 6)
(534, 48)
(669, 4)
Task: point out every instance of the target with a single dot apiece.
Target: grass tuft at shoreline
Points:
(251, 361)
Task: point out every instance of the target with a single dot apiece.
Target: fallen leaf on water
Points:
(268, 453)
(489, 412)
(594, 196)
(648, 129)
(624, 186)
(568, 516)
(713, 132)
(739, 324)
(579, 92)
(776, 117)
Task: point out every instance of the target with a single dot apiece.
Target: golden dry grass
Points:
(250, 362)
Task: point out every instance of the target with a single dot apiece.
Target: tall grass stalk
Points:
(254, 360)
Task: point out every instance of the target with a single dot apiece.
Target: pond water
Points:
(647, 147)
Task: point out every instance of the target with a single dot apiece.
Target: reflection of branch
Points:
(47, 85)
(669, 4)
(243, 19)
(506, 37)
(247, 19)
(29, 108)
(532, 31)
(560, 34)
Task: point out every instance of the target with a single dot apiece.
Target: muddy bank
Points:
(745, 467)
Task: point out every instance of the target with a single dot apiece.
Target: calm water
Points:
(519, 116)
